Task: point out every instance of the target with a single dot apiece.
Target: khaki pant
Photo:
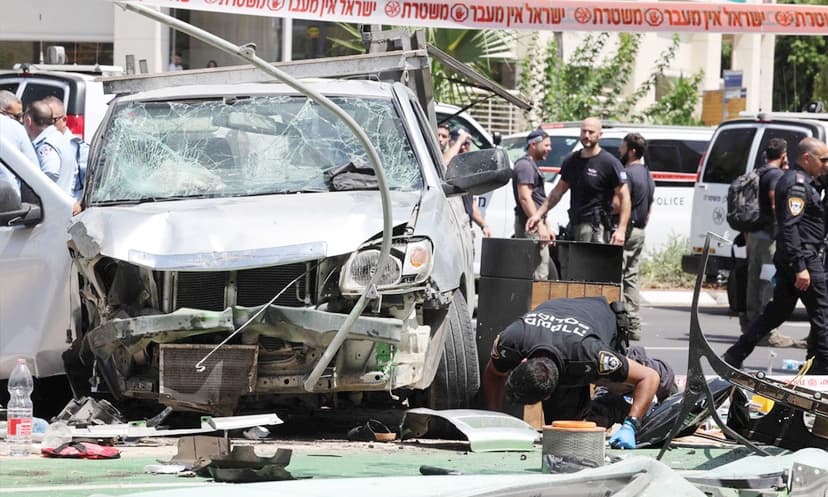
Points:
(542, 271)
(633, 247)
(760, 250)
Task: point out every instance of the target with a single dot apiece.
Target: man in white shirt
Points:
(11, 115)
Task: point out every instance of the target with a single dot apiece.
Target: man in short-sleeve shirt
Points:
(553, 353)
(760, 243)
(528, 188)
(594, 176)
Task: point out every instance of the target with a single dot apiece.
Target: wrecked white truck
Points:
(251, 209)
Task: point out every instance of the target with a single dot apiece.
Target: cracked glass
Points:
(247, 146)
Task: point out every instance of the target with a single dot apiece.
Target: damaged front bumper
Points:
(155, 356)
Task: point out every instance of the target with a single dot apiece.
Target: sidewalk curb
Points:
(707, 298)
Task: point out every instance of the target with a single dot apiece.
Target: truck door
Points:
(35, 310)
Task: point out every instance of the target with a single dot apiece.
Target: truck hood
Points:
(239, 232)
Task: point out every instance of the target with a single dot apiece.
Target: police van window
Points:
(663, 156)
(728, 155)
(791, 136)
(561, 147)
(611, 145)
(675, 156)
(11, 86)
(37, 91)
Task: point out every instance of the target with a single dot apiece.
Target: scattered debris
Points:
(81, 450)
(242, 465)
(87, 411)
(139, 429)
(195, 448)
(434, 470)
(372, 431)
(486, 431)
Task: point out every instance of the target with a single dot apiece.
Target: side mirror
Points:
(477, 172)
(497, 138)
(26, 215)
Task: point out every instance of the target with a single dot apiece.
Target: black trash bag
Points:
(656, 425)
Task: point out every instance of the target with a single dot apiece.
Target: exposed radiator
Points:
(230, 373)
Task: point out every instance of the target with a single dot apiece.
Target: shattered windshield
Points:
(248, 146)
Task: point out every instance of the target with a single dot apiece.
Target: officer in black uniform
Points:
(800, 273)
(553, 353)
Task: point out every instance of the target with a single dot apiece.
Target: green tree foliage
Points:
(479, 49)
(800, 73)
(591, 84)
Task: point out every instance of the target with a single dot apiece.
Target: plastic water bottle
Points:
(19, 414)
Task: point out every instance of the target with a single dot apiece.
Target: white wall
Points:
(56, 20)
(144, 38)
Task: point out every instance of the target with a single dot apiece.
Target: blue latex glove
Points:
(624, 438)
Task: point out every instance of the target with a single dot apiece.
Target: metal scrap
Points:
(486, 431)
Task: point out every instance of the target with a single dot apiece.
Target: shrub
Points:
(662, 268)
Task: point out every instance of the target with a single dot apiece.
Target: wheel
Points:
(457, 379)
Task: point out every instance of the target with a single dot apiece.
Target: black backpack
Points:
(743, 211)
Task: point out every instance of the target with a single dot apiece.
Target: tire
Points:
(457, 379)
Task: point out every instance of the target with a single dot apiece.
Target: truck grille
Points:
(202, 290)
(257, 286)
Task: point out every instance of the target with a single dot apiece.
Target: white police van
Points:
(737, 147)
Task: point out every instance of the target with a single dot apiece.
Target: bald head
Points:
(8, 100)
(58, 112)
(38, 117)
(40, 113)
(593, 122)
(813, 156)
(10, 105)
(810, 145)
(590, 134)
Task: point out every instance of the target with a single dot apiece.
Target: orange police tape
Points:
(552, 15)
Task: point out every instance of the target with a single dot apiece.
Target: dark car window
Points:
(728, 155)
(561, 147)
(478, 140)
(792, 136)
(38, 91)
(10, 86)
(611, 145)
(675, 156)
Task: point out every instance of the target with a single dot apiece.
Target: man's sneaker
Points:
(776, 339)
(634, 335)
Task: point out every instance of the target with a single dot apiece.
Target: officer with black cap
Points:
(800, 272)
(528, 187)
(553, 353)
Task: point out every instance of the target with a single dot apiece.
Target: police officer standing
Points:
(530, 192)
(642, 194)
(595, 177)
(553, 353)
(800, 273)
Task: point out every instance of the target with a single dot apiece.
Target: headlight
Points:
(409, 263)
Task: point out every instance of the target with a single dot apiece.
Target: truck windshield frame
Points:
(243, 146)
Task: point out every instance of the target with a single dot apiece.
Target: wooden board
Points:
(547, 290)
